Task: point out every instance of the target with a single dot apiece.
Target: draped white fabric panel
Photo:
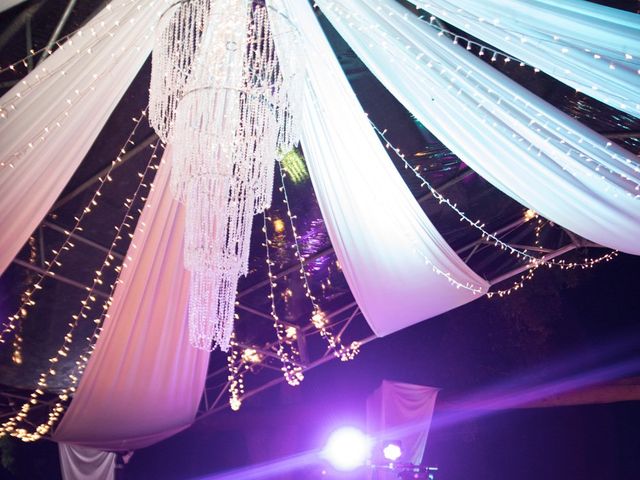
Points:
(401, 412)
(144, 381)
(593, 48)
(82, 463)
(530, 150)
(7, 4)
(49, 121)
(381, 236)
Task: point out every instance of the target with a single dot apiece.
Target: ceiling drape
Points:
(401, 413)
(399, 268)
(144, 381)
(7, 4)
(50, 119)
(593, 48)
(524, 146)
(82, 463)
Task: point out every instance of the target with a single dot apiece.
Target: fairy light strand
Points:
(10, 426)
(613, 168)
(495, 54)
(61, 43)
(318, 317)
(54, 263)
(530, 273)
(42, 73)
(236, 375)
(286, 350)
(551, 38)
(491, 238)
(18, 339)
(73, 99)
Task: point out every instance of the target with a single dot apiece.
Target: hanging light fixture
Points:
(220, 98)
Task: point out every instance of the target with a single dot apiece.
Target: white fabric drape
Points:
(401, 412)
(144, 381)
(381, 236)
(7, 4)
(593, 48)
(49, 120)
(82, 463)
(530, 150)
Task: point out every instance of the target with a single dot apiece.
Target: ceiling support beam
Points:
(94, 178)
(18, 22)
(218, 405)
(58, 30)
(81, 239)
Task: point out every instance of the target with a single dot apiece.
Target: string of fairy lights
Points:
(239, 360)
(318, 317)
(64, 42)
(491, 238)
(89, 311)
(595, 160)
(18, 339)
(470, 45)
(98, 32)
(54, 263)
(287, 350)
(563, 44)
(236, 368)
(74, 97)
(41, 135)
(533, 267)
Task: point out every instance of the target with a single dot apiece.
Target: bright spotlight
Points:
(392, 451)
(347, 448)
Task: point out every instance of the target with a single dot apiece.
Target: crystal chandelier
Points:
(220, 98)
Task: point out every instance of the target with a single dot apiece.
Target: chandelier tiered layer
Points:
(219, 98)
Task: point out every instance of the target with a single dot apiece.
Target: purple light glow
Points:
(347, 449)
(268, 469)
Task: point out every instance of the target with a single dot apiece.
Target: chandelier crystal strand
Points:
(220, 98)
(177, 39)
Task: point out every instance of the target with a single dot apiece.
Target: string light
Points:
(287, 351)
(491, 238)
(251, 355)
(563, 143)
(16, 356)
(74, 99)
(54, 263)
(468, 44)
(541, 36)
(57, 122)
(236, 375)
(529, 274)
(318, 317)
(61, 42)
(43, 73)
(10, 426)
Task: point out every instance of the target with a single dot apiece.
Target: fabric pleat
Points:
(592, 48)
(144, 381)
(50, 119)
(399, 268)
(527, 148)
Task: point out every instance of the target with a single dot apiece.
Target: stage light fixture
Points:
(347, 449)
(392, 451)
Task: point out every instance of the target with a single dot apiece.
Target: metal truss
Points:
(346, 321)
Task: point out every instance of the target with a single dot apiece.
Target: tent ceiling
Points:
(474, 195)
